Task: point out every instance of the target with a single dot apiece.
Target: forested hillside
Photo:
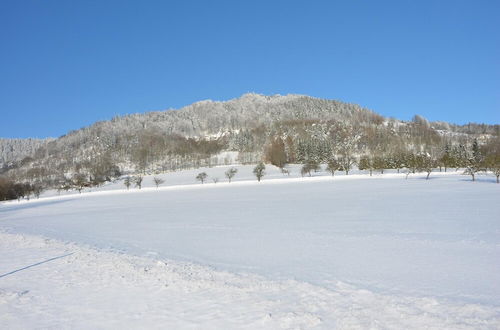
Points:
(13, 151)
(275, 129)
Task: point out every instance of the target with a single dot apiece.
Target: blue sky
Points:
(67, 64)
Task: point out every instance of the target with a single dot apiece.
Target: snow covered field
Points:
(348, 252)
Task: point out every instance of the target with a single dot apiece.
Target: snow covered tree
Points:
(420, 121)
(345, 138)
(259, 171)
(474, 161)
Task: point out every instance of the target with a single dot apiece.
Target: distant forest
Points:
(274, 129)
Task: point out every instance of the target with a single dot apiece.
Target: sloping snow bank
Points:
(49, 284)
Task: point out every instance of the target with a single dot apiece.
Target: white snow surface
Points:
(347, 252)
(63, 285)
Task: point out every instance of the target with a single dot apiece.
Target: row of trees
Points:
(137, 181)
(229, 174)
(259, 171)
(12, 190)
(473, 159)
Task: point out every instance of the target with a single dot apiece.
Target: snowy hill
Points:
(253, 127)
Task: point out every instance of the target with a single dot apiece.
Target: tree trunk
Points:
(497, 179)
(428, 173)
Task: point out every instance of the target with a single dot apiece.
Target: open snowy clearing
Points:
(56, 285)
(348, 252)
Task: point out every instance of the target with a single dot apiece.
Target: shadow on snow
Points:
(28, 205)
(36, 264)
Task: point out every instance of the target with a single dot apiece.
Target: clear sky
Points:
(66, 64)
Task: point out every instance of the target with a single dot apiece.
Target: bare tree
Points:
(80, 181)
(138, 181)
(425, 164)
(285, 171)
(202, 177)
(37, 190)
(494, 164)
(308, 167)
(492, 159)
(158, 181)
(275, 153)
(379, 163)
(332, 166)
(231, 173)
(215, 180)
(259, 171)
(127, 182)
(447, 160)
(366, 163)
